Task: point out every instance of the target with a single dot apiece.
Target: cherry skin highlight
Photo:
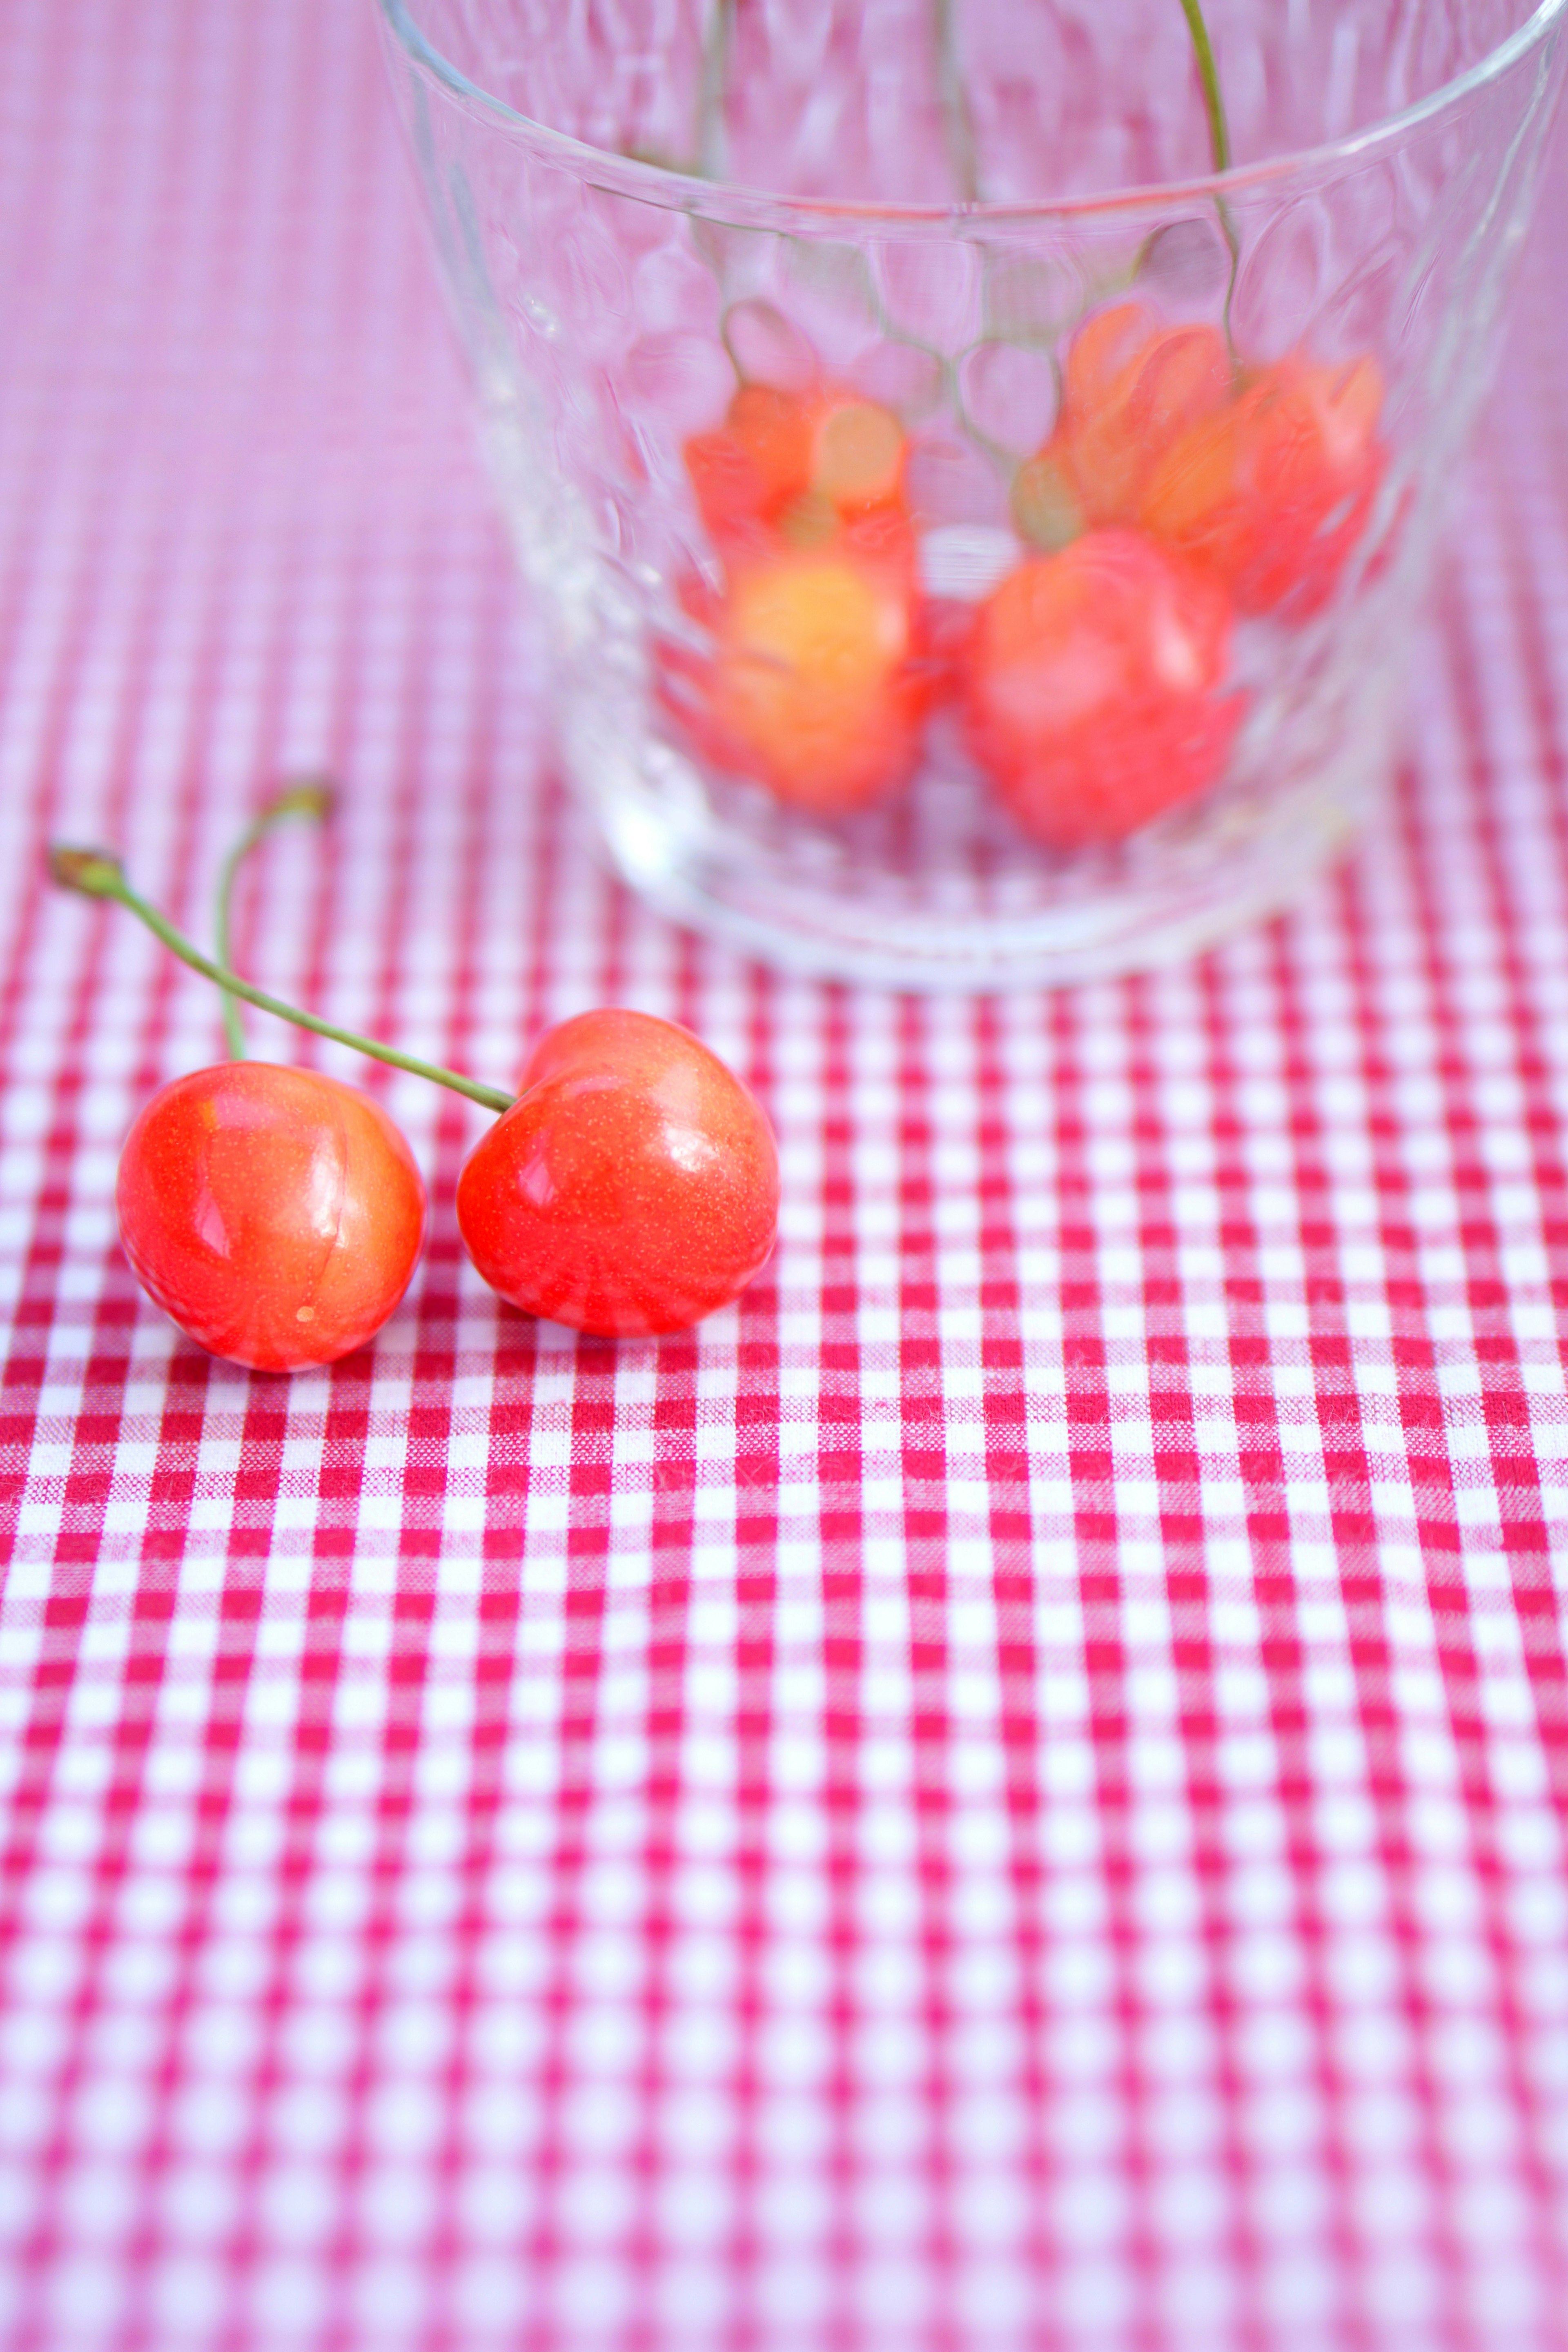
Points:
(633, 1187)
(274, 1214)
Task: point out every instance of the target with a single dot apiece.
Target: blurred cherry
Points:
(815, 688)
(1130, 388)
(1093, 688)
(1263, 476)
(1272, 493)
(787, 468)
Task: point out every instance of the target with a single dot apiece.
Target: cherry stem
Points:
(98, 874)
(1219, 142)
(709, 159)
(310, 797)
(958, 127)
(1208, 74)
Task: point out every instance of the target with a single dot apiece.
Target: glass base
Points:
(985, 924)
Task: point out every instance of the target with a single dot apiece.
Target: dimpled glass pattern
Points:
(640, 207)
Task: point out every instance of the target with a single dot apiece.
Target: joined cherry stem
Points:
(98, 874)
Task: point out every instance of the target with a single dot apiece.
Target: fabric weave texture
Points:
(1009, 1793)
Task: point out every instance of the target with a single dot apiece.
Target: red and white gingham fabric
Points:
(1008, 1795)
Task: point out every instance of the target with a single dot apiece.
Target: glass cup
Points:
(979, 541)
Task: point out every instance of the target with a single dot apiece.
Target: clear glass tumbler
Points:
(980, 540)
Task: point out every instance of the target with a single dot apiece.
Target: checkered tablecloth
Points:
(1009, 1794)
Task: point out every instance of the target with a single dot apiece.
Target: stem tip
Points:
(306, 796)
(96, 873)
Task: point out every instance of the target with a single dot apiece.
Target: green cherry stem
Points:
(1208, 74)
(99, 874)
(1219, 143)
(310, 797)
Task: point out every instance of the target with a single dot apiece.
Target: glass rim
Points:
(734, 202)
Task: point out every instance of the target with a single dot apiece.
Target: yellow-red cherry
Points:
(632, 1187)
(274, 1213)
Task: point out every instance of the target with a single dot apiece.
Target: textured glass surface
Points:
(840, 98)
(613, 312)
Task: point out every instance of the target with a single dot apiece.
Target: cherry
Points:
(276, 1214)
(857, 453)
(749, 467)
(1092, 687)
(1130, 389)
(1272, 492)
(790, 467)
(1265, 476)
(815, 688)
(631, 1188)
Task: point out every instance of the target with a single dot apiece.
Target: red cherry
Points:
(1118, 419)
(817, 687)
(1272, 492)
(633, 1187)
(1106, 345)
(1092, 687)
(276, 1214)
(789, 469)
(750, 466)
(1130, 389)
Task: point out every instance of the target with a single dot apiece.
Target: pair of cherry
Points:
(277, 1214)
